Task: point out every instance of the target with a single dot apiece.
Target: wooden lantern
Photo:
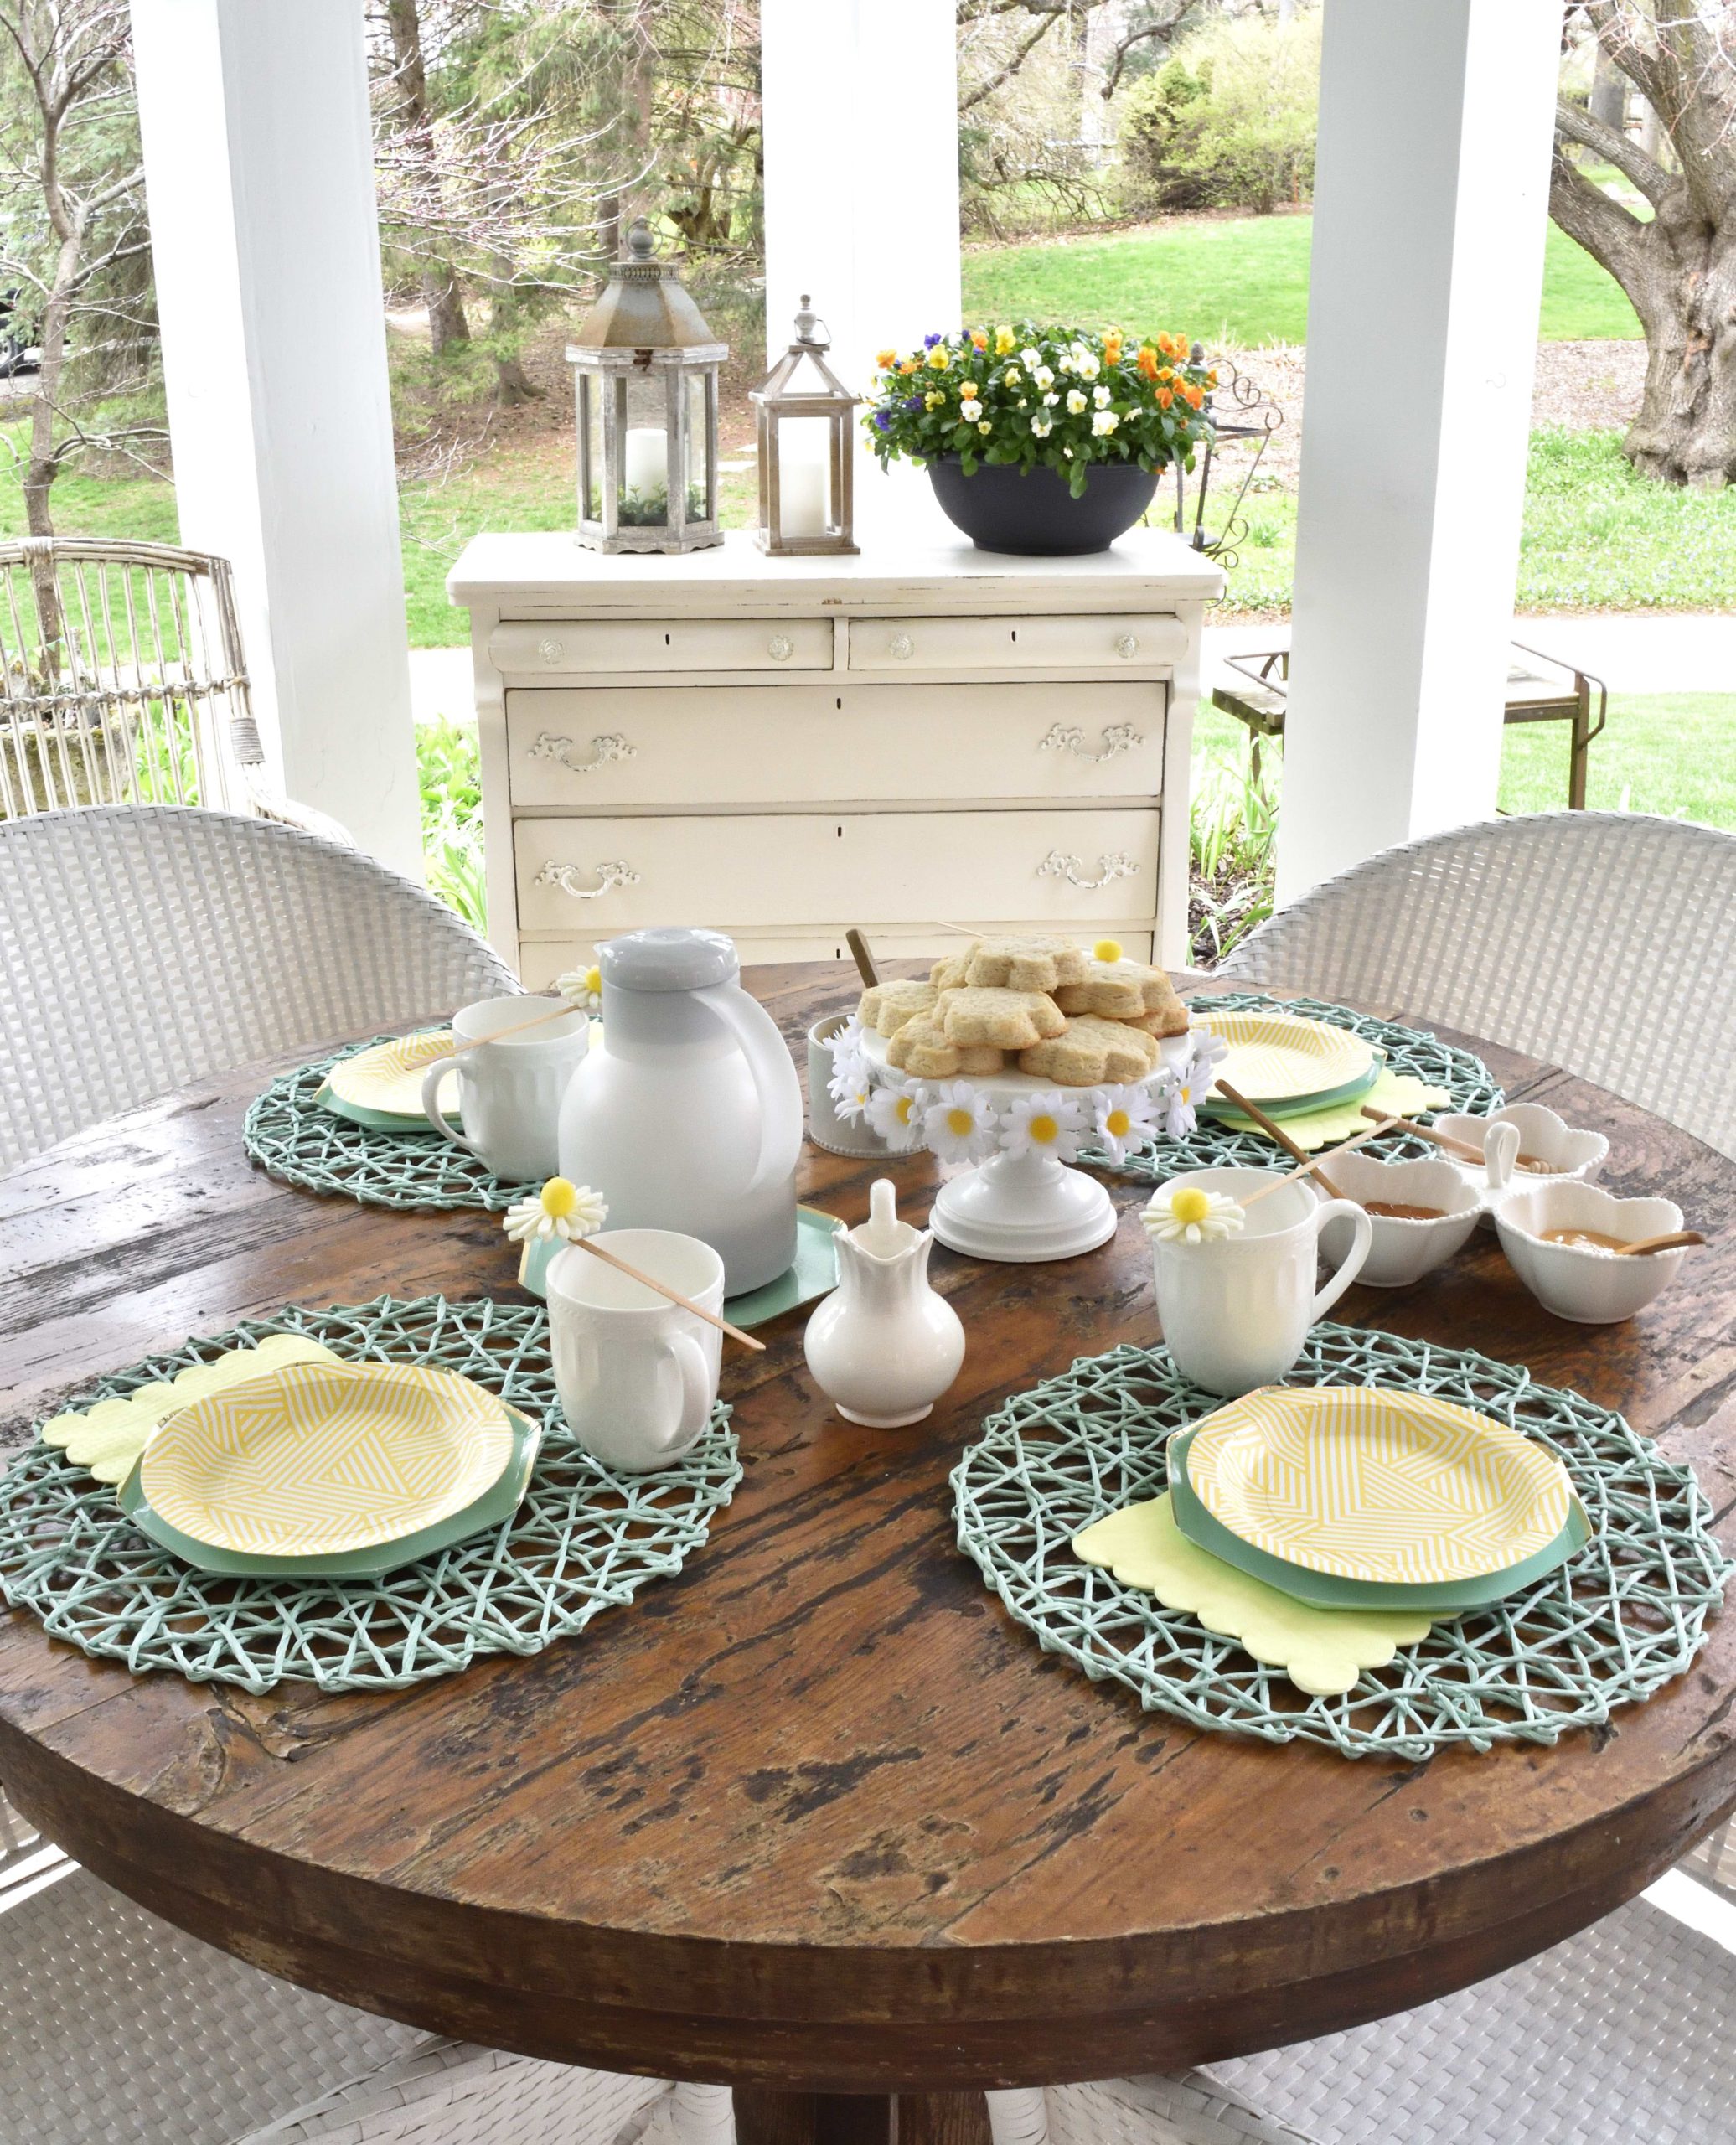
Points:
(807, 448)
(645, 381)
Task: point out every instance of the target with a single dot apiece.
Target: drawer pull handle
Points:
(1058, 865)
(1127, 646)
(612, 746)
(900, 648)
(780, 648)
(564, 876)
(1118, 737)
(551, 650)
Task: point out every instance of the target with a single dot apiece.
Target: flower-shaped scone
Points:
(1120, 990)
(1035, 963)
(921, 1047)
(887, 1007)
(1007, 1019)
(952, 972)
(1091, 1052)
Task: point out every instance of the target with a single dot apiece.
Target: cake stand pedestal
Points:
(1019, 1208)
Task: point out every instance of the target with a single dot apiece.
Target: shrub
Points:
(1230, 120)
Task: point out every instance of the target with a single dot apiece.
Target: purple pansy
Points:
(929, 342)
(912, 402)
(883, 418)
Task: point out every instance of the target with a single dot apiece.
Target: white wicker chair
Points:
(145, 946)
(1604, 941)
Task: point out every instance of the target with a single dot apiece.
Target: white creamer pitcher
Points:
(688, 1115)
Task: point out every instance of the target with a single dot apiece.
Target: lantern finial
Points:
(640, 244)
(811, 331)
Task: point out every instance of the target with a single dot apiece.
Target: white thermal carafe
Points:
(688, 1115)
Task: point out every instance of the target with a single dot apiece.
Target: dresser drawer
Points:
(568, 647)
(546, 959)
(579, 749)
(593, 875)
(1108, 641)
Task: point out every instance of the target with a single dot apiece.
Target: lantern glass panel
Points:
(701, 506)
(590, 405)
(641, 417)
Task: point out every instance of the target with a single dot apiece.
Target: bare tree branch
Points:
(1578, 125)
(1015, 61)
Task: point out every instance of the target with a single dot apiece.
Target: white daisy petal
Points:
(960, 1125)
(1047, 1122)
(895, 1114)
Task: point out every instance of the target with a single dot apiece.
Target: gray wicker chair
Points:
(145, 946)
(1604, 941)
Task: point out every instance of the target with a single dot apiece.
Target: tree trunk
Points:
(1679, 273)
(446, 321)
(626, 143)
(1608, 92)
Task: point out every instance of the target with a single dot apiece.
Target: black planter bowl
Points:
(1031, 511)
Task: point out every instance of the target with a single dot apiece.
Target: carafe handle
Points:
(779, 1092)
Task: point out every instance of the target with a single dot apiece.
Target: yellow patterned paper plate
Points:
(389, 1077)
(318, 1457)
(1373, 1483)
(1275, 1057)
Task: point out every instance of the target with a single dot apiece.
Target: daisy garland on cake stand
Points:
(1019, 1199)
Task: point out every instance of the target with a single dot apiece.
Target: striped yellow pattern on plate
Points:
(1376, 1483)
(1275, 1057)
(315, 1458)
(389, 1077)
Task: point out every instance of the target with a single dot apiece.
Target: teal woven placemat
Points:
(1609, 1627)
(584, 1539)
(1213, 1145)
(290, 1135)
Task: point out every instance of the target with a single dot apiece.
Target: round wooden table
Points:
(815, 1817)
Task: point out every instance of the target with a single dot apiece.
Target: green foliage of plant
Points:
(1236, 281)
(1028, 397)
(1233, 836)
(1230, 121)
(450, 781)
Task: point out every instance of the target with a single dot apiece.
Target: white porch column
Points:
(861, 104)
(259, 175)
(1430, 208)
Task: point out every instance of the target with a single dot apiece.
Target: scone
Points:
(1035, 963)
(1170, 1019)
(920, 1047)
(1119, 990)
(895, 1003)
(949, 975)
(1009, 1020)
(1092, 1052)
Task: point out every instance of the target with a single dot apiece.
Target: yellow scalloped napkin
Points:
(108, 1438)
(1394, 1094)
(1323, 1651)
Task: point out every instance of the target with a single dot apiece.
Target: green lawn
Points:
(1673, 753)
(1241, 280)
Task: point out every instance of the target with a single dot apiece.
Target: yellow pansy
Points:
(940, 358)
(885, 358)
(984, 426)
(933, 399)
(1005, 340)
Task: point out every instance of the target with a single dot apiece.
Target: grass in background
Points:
(1235, 280)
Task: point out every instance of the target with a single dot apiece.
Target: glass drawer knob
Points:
(780, 648)
(902, 648)
(1127, 646)
(551, 651)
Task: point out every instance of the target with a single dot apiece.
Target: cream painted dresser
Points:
(781, 748)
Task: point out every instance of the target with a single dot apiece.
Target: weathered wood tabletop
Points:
(815, 1815)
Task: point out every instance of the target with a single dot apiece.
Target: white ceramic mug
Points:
(1237, 1311)
(636, 1375)
(510, 1092)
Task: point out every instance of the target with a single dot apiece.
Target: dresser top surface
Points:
(1143, 565)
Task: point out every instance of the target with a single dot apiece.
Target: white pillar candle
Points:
(802, 489)
(646, 468)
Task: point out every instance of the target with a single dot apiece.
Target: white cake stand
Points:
(1020, 1208)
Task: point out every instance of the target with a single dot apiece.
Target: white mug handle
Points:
(431, 1105)
(1500, 1154)
(1363, 1226)
(690, 1362)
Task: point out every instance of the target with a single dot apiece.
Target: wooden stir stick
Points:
(1461, 1148)
(1311, 1166)
(1676, 1240)
(522, 1027)
(663, 1289)
(1274, 1131)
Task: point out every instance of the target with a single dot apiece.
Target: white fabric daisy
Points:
(960, 1124)
(1187, 1213)
(1192, 1082)
(1049, 1123)
(851, 1088)
(1126, 1121)
(582, 988)
(895, 1115)
(561, 1209)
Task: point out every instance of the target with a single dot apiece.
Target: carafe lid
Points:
(667, 956)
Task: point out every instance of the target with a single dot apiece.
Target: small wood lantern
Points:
(645, 381)
(807, 448)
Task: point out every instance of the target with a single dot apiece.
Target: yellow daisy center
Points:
(1044, 1129)
(1117, 1124)
(1190, 1204)
(559, 1198)
(1108, 949)
(901, 1108)
(593, 979)
(959, 1122)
